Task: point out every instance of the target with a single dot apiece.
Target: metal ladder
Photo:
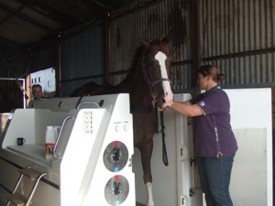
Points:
(18, 199)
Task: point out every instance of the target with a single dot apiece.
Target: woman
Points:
(214, 142)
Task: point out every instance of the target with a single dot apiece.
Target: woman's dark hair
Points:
(210, 70)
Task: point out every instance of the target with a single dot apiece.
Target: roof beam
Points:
(103, 6)
(27, 18)
(10, 43)
(52, 14)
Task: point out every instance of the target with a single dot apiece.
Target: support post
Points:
(107, 42)
(196, 50)
(57, 63)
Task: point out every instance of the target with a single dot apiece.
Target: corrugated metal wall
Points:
(153, 22)
(82, 59)
(236, 35)
(239, 36)
(42, 58)
(37, 57)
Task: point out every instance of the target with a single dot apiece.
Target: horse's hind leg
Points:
(146, 153)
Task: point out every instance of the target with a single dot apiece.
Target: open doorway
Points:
(45, 78)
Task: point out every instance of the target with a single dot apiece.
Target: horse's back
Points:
(92, 88)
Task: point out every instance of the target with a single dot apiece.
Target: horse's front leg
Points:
(146, 153)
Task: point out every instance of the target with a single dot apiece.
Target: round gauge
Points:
(116, 190)
(115, 156)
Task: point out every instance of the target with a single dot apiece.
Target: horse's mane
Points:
(138, 52)
(125, 84)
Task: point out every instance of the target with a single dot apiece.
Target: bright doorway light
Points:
(46, 78)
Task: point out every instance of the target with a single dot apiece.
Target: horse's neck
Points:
(140, 94)
(122, 87)
(135, 85)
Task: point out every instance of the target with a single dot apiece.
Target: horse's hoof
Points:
(150, 203)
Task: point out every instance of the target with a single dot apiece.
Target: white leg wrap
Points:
(150, 201)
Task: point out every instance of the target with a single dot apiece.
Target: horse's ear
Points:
(144, 43)
(168, 37)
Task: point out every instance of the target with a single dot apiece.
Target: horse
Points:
(147, 83)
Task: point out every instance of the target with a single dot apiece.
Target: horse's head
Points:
(155, 69)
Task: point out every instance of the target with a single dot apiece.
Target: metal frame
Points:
(23, 85)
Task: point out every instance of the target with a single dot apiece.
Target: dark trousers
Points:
(215, 175)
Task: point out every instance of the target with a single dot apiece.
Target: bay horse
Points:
(147, 83)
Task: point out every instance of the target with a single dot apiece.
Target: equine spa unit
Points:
(94, 161)
(91, 161)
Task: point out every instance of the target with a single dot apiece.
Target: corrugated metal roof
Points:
(24, 22)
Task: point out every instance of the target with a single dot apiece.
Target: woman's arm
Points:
(185, 108)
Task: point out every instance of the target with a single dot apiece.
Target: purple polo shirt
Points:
(212, 131)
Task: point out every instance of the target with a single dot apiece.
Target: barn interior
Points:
(65, 44)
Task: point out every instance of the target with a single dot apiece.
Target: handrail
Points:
(96, 104)
(59, 135)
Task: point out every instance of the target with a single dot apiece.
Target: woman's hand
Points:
(168, 101)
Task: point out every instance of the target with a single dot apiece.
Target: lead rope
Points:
(164, 151)
(157, 118)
